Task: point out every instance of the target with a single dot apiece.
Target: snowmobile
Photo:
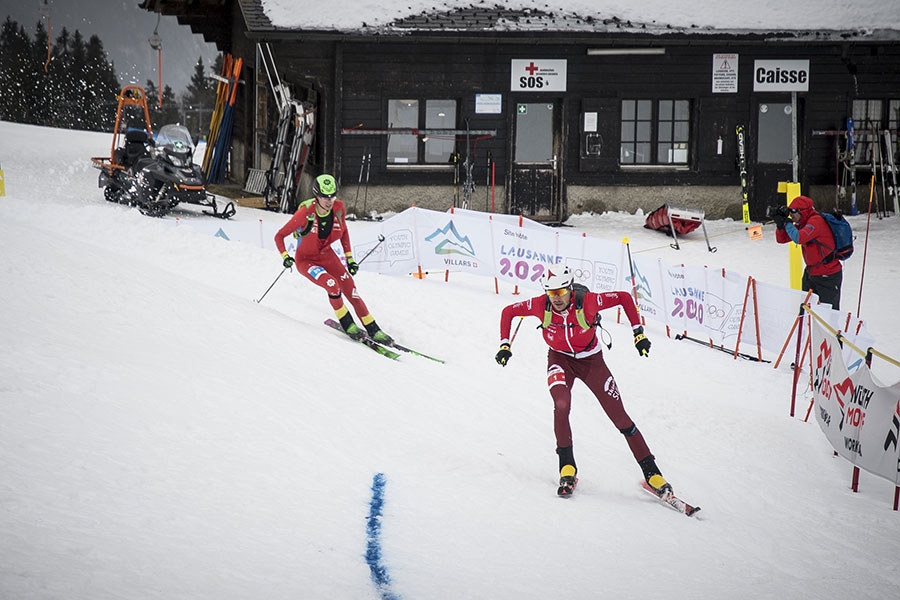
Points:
(153, 173)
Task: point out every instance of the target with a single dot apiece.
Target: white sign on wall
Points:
(538, 75)
(725, 74)
(488, 104)
(781, 76)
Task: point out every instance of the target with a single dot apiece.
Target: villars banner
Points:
(859, 416)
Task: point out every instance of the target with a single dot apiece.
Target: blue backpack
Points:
(843, 236)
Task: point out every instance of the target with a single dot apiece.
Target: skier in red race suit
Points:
(318, 223)
(570, 318)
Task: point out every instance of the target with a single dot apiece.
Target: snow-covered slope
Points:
(164, 436)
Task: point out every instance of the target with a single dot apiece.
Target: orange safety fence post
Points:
(791, 333)
(741, 323)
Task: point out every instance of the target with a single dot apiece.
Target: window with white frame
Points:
(413, 113)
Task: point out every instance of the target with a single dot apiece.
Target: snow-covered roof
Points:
(828, 19)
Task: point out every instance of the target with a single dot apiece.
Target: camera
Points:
(781, 210)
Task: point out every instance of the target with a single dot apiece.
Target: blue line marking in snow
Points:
(373, 540)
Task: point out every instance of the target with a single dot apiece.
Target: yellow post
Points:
(795, 252)
(2, 185)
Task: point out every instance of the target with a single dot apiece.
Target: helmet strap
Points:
(319, 206)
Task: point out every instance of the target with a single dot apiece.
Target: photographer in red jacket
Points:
(799, 222)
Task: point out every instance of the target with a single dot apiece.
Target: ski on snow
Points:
(672, 501)
(365, 340)
(397, 346)
(383, 349)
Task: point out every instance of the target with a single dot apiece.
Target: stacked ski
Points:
(742, 167)
(671, 500)
(222, 120)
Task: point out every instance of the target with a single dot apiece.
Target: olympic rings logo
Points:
(715, 312)
(582, 274)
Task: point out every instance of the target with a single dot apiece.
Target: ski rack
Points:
(296, 129)
(468, 164)
(278, 184)
(889, 148)
(848, 157)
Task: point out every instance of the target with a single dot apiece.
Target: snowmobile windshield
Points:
(176, 143)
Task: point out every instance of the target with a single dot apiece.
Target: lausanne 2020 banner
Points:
(713, 303)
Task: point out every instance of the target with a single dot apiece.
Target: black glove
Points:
(641, 342)
(780, 220)
(288, 262)
(352, 267)
(503, 355)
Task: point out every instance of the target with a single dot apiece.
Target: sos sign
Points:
(537, 75)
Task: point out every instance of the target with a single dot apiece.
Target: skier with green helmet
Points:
(317, 224)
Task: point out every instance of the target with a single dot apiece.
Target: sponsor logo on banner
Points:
(644, 292)
(448, 241)
(860, 418)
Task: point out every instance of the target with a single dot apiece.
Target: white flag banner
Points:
(860, 417)
(510, 248)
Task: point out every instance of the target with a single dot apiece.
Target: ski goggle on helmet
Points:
(556, 281)
(324, 186)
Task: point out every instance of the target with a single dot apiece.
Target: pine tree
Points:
(38, 75)
(199, 100)
(103, 86)
(14, 72)
(60, 86)
(171, 111)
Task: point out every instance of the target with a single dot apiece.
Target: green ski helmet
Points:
(324, 186)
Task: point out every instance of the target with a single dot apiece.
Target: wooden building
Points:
(546, 115)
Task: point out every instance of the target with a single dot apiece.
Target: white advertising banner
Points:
(860, 417)
(510, 248)
(718, 306)
(709, 303)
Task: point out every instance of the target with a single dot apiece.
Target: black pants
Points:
(827, 287)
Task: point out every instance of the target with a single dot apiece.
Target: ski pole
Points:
(362, 165)
(631, 269)
(273, 284)
(513, 338)
(368, 169)
(679, 336)
(380, 239)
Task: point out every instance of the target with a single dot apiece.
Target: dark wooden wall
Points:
(354, 78)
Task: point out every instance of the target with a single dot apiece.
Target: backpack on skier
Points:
(843, 236)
